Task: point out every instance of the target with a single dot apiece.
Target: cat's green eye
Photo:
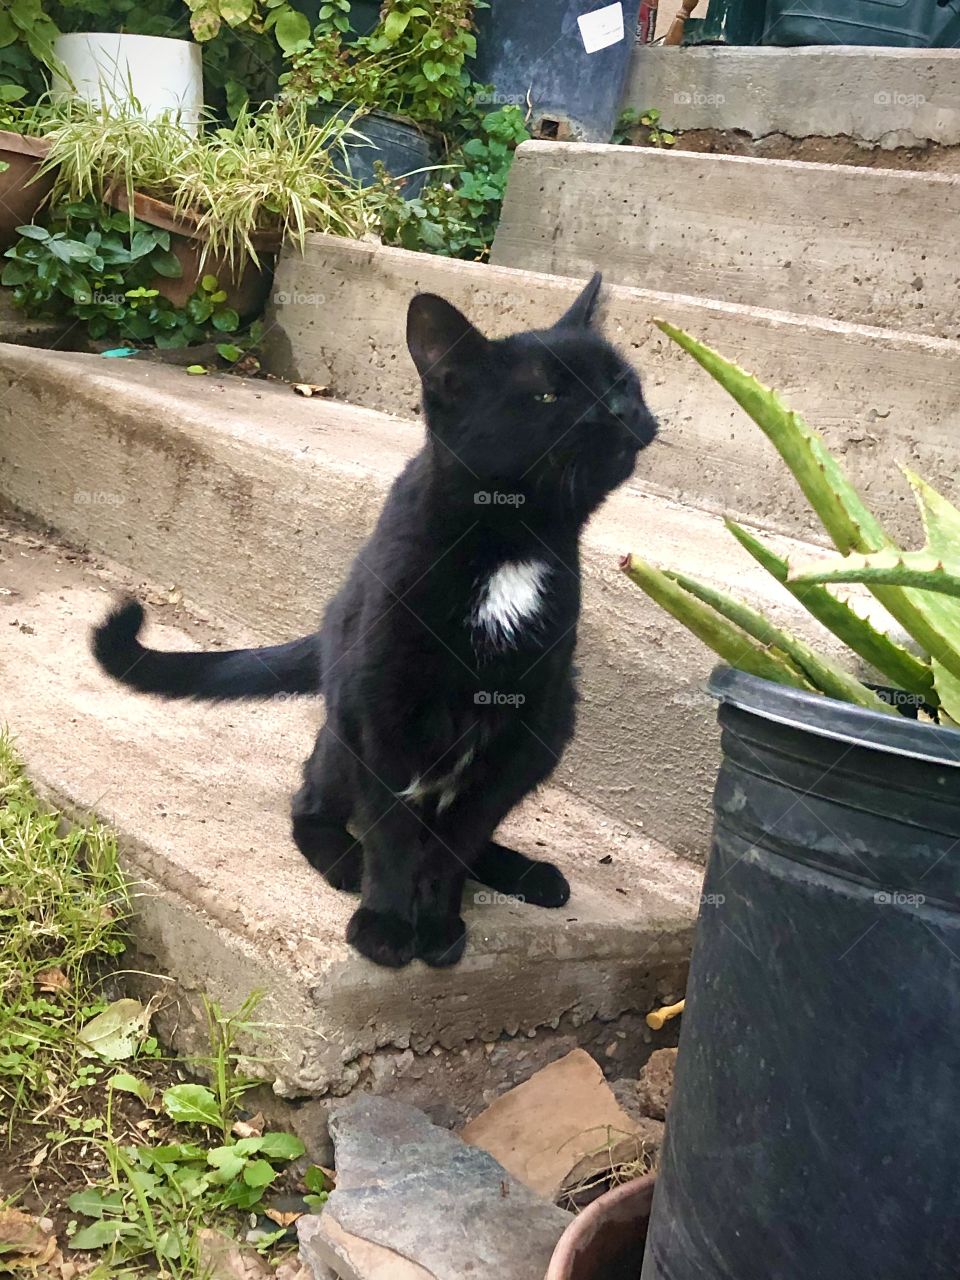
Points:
(546, 397)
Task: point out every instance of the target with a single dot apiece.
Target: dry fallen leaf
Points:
(252, 1128)
(281, 1218)
(53, 980)
(25, 1241)
(310, 389)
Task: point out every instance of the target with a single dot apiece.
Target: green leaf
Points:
(259, 1173)
(729, 641)
(32, 232)
(395, 25)
(228, 1162)
(315, 1180)
(166, 263)
(99, 1234)
(205, 23)
(93, 1203)
(896, 663)
(236, 12)
(291, 29)
(15, 272)
(192, 1103)
(199, 309)
(130, 1084)
(209, 284)
(281, 1146)
(229, 351)
(116, 1033)
(226, 320)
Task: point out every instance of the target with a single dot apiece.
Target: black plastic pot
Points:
(536, 48)
(397, 144)
(814, 1129)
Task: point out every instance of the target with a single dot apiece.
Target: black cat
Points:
(446, 659)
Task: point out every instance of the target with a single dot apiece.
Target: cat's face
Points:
(556, 415)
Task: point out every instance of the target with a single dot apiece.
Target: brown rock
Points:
(655, 1084)
(559, 1128)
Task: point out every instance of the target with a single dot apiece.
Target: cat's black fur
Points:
(447, 702)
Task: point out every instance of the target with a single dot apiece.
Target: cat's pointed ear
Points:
(440, 338)
(580, 314)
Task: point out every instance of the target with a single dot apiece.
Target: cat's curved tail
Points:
(238, 673)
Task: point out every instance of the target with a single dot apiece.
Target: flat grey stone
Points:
(408, 1186)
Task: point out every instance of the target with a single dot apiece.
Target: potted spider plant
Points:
(229, 197)
(813, 1127)
(404, 81)
(23, 188)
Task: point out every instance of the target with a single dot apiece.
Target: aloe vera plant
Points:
(919, 589)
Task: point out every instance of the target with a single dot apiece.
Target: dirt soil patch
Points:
(778, 146)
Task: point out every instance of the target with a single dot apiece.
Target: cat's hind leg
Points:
(321, 811)
(513, 874)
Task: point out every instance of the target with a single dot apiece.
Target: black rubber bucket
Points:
(539, 48)
(814, 1131)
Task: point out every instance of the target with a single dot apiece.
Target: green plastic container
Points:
(916, 24)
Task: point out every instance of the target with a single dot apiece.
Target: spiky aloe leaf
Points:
(729, 641)
(897, 664)
(948, 691)
(822, 672)
(941, 521)
(919, 569)
(934, 570)
(845, 516)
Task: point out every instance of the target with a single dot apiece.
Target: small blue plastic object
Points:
(118, 352)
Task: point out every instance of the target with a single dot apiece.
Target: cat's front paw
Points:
(382, 937)
(347, 872)
(440, 940)
(544, 885)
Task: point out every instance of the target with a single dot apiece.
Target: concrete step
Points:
(884, 97)
(223, 901)
(864, 246)
(252, 502)
(338, 316)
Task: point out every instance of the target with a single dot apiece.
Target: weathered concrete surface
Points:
(890, 97)
(225, 903)
(253, 502)
(878, 397)
(407, 1186)
(865, 246)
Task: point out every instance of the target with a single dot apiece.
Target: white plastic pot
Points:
(158, 74)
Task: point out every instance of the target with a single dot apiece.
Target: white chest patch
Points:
(509, 600)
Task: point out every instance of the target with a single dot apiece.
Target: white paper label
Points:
(602, 28)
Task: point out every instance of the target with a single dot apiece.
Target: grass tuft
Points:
(63, 903)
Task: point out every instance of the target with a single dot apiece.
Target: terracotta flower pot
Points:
(21, 192)
(246, 284)
(606, 1240)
